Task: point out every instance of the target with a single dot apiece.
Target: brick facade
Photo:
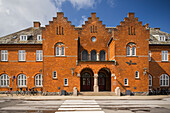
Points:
(88, 75)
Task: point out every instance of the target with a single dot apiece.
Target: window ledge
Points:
(4, 61)
(38, 86)
(21, 86)
(65, 85)
(22, 61)
(39, 60)
(126, 85)
(137, 78)
(4, 86)
(131, 56)
(165, 61)
(164, 86)
(61, 56)
(55, 78)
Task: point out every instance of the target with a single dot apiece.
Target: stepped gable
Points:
(154, 40)
(60, 16)
(31, 33)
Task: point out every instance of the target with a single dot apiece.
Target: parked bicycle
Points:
(9, 92)
(20, 92)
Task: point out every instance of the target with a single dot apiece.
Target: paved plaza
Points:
(85, 104)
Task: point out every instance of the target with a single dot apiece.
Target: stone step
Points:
(97, 94)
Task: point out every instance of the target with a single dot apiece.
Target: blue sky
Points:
(20, 14)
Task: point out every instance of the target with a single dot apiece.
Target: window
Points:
(102, 56)
(150, 80)
(23, 38)
(85, 55)
(60, 30)
(126, 81)
(54, 74)
(39, 38)
(128, 51)
(149, 55)
(164, 80)
(162, 38)
(136, 74)
(57, 51)
(21, 55)
(62, 51)
(4, 55)
(164, 55)
(38, 80)
(22, 80)
(39, 55)
(93, 55)
(93, 39)
(65, 82)
(131, 49)
(4, 80)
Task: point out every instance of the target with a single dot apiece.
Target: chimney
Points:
(37, 24)
(93, 15)
(60, 14)
(131, 15)
(147, 25)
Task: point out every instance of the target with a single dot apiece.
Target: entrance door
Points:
(86, 81)
(102, 82)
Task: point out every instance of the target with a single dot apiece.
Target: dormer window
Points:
(39, 38)
(23, 38)
(162, 38)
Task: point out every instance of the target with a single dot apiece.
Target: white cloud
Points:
(111, 3)
(19, 14)
(82, 21)
(16, 15)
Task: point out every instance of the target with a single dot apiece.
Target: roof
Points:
(154, 35)
(31, 33)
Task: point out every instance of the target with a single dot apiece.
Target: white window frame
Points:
(39, 38)
(21, 55)
(4, 55)
(137, 74)
(126, 80)
(164, 55)
(162, 37)
(149, 55)
(133, 51)
(38, 80)
(164, 78)
(23, 37)
(22, 79)
(128, 47)
(150, 80)
(39, 55)
(57, 51)
(4, 80)
(61, 51)
(65, 84)
(54, 74)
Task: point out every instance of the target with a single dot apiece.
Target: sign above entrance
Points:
(130, 63)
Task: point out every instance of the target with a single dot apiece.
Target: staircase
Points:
(97, 94)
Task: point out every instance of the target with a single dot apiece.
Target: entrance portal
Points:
(104, 79)
(86, 80)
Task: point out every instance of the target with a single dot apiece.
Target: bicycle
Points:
(9, 92)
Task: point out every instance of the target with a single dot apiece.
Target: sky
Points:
(17, 15)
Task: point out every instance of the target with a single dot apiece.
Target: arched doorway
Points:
(104, 79)
(86, 80)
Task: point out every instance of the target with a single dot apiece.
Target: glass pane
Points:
(133, 50)
(167, 82)
(88, 81)
(93, 55)
(102, 55)
(8, 82)
(85, 55)
(128, 50)
(84, 81)
(62, 50)
(57, 50)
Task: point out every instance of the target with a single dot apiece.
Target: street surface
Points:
(85, 105)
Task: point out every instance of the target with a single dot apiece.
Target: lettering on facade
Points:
(130, 63)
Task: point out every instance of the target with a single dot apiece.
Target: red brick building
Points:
(93, 57)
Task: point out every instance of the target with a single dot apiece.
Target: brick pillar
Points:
(96, 87)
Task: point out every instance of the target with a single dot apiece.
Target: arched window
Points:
(164, 80)
(102, 56)
(38, 80)
(85, 55)
(150, 80)
(62, 51)
(57, 51)
(125, 81)
(54, 74)
(136, 74)
(4, 80)
(22, 80)
(93, 55)
(128, 51)
(133, 51)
